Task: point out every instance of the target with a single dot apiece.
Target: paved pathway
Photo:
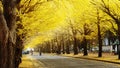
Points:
(56, 61)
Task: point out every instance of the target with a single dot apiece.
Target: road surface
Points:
(56, 61)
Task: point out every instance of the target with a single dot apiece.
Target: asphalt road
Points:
(55, 61)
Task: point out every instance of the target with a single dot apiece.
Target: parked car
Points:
(25, 52)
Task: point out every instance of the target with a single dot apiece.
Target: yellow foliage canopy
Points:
(47, 17)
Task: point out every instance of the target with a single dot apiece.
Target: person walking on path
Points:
(40, 51)
(31, 51)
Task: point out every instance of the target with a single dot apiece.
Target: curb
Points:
(96, 59)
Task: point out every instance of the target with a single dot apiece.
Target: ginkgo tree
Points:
(42, 20)
(39, 20)
(8, 33)
(111, 8)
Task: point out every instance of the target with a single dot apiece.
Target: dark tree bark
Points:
(99, 35)
(74, 33)
(67, 49)
(85, 53)
(119, 40)
(85, 47)
(3, 41)
(68, 46)
(99, 41)
(18, 51)
(63, 47)
(75, 46)
(58, 50)
(48, 47)
(8, 34)
(52, 46)
(10, 16)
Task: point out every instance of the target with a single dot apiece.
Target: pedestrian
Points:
(31, 52)
(40, 51)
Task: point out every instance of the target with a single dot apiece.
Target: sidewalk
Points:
(32, 61)
(26, 63)
(107, 57)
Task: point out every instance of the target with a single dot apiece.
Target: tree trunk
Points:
(99, 41)
(63, 47)
(8, 33)
(48, 48)
(18, 51)
(59, 49)
(119, 40)
(9, 7)
(52, 48)
(85, 47)
(75, 47)
(85, 40)
(68, 47)
(3, 41)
